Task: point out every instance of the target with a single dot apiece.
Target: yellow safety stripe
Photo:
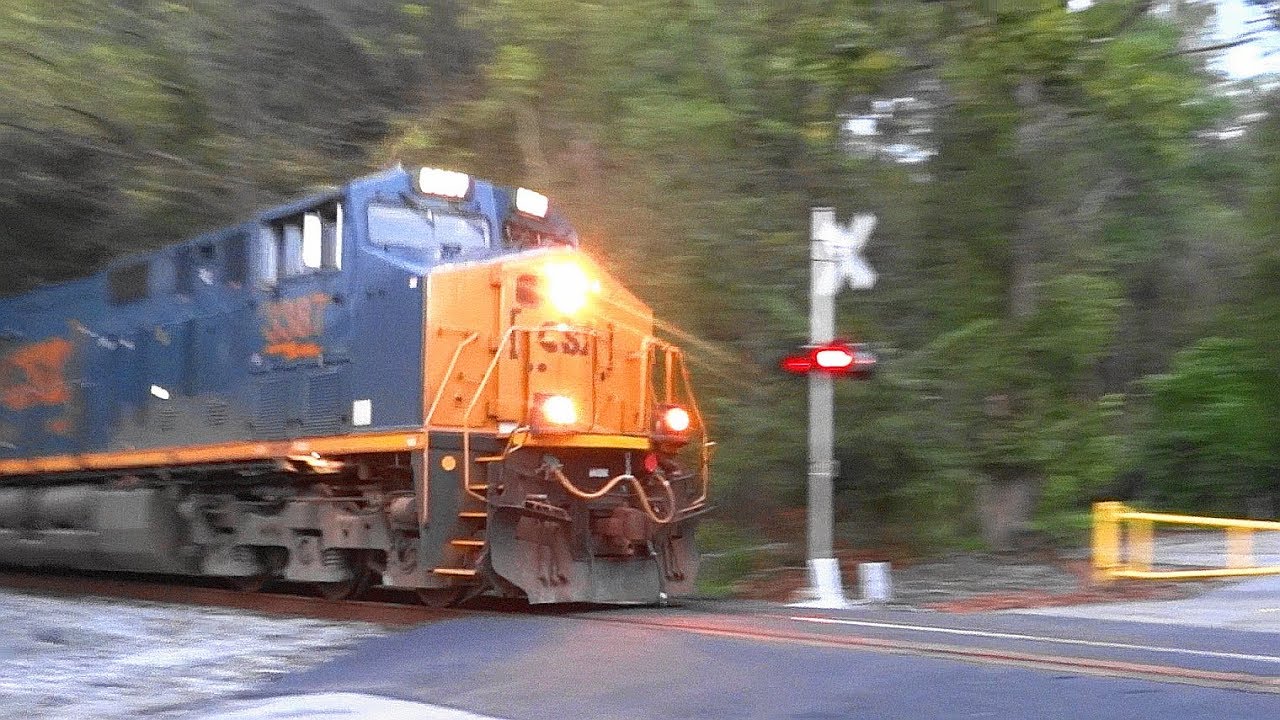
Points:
(616, 442)
(400, 441)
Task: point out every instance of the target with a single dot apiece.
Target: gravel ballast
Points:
(63, 657)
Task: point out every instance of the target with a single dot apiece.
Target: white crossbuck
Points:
(842, 247)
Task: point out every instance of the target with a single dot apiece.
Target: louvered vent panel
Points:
(324, 404)
(273, 408)
(217, 412)
(167, 417)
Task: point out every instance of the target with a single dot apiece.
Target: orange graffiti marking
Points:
(288, 324)
(294, 350)
(58, 426)
(35, 375)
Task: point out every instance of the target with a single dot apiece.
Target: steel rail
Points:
(186, 593)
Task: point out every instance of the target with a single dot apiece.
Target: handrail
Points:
(475, 399)
(466, 417)
(704, 460)
(430, 418)
(448, 373)
(1124, 544)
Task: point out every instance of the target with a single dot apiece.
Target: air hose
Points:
(552, 467)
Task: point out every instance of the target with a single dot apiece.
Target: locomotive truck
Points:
(416, 380)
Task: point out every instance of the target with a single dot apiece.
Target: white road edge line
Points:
(339, 706)
(1040, 638)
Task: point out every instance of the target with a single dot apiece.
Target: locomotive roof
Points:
(393, 179)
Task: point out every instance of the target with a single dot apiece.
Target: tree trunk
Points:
(1006, 503)
(1025, 247)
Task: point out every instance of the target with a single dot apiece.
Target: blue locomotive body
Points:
(306, 321)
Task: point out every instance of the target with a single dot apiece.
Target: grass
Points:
(729, 554)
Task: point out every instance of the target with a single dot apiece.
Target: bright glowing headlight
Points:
(559, 410)
(532, 203)
(567, 286)
(670, 427)
(445, 183)
(676, 419)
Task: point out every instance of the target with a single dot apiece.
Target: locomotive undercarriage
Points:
(522, 528)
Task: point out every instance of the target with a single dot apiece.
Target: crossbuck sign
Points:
(841, 248)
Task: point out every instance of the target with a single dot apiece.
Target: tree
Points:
(131, 124)
(1215, 429)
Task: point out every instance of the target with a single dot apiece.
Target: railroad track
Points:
(387, 607)
(396, 609)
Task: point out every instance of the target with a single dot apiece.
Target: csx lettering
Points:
(35, 375)
(565, 341)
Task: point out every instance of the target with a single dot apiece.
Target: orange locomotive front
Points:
(570, 431)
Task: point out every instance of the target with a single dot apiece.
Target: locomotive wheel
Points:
(346, 589)
(361, 575)
(440, 597)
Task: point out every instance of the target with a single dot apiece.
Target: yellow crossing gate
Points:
(1124, 544)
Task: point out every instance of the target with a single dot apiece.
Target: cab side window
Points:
(235, 261)
(301, 244)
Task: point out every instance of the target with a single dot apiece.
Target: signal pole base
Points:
(826, 590)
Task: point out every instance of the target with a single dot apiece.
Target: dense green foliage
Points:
(1077, 275)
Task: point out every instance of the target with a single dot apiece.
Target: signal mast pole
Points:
(822, 320)
(833, 258)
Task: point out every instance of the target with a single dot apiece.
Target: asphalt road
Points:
(731, 661)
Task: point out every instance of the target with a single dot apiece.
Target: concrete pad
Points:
(1209, 549)
(1246, 605)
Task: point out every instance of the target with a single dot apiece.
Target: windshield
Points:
(426, 235)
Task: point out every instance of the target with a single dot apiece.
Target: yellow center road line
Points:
(1098, 667)
(1041, 639)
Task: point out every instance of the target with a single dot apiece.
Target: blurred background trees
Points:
(1079, 238)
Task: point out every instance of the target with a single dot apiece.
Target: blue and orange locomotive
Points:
(415, 380)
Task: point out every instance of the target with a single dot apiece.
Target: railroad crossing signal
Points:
(834, 258)
(837, 359)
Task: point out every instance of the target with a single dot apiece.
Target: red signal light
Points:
(797, 364)
(651, 463)
(833, 358)
(836, 358)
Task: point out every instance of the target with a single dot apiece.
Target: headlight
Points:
(567, 286)
(532, 203)
(676, 419)
(670, 427)
(553, 413)
(445, 183)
